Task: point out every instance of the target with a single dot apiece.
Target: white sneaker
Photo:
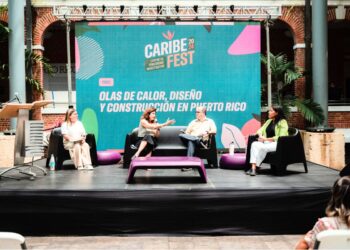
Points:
(80, 168)
(88, 167)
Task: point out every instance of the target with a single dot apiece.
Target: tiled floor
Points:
(165, 242)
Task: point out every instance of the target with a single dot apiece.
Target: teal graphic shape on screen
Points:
(122, 68)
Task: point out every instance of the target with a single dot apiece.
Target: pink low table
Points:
(236, 161)
(167, 162)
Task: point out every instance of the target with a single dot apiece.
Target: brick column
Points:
(38, 74)
(299, 61)
(294, 17)
(43, 20)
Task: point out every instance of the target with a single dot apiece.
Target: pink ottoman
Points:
(236, 161)
(108, 157)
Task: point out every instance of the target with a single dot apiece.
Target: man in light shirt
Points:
(198, 131)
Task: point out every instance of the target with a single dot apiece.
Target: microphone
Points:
(17, 98)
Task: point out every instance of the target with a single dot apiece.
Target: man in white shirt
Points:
(198, 131)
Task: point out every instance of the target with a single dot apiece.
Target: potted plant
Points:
(283, 76)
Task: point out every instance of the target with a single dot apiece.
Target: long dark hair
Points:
(147, 112)
(339, 204)
(280, 113)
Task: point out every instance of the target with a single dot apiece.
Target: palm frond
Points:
(291, 75)
(263, 59)
(310, 110)
(34, 58)
(4, 32)
(35, 84)
(285, 73)
(3, 8)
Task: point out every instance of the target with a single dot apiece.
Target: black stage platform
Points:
(99, 202)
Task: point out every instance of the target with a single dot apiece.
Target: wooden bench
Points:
(167, 162)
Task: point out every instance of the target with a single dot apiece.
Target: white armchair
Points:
(10, 240)
(333, 239)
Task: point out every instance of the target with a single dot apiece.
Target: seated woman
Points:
(74, 134)
(268, 134)
(337, 211)
(149, 131)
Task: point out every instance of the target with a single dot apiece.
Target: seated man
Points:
(197, 132)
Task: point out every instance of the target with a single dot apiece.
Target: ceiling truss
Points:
(215, 12)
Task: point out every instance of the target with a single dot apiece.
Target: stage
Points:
(99, 202)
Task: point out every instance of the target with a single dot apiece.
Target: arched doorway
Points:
(55, 45)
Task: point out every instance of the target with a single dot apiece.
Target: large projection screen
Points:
(124, 67)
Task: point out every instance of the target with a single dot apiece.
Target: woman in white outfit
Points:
(268, 134)
(74, 135)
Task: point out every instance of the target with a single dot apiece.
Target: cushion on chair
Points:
(108, 157)
(236, 161)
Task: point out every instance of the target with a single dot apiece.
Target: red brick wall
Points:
(4, 124)
(335, 119)
(52, 120)
(339, 119)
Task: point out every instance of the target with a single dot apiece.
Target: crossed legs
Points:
(191, 141)
(148, 143)
(142, 146)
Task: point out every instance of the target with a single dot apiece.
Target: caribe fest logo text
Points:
(169, 54)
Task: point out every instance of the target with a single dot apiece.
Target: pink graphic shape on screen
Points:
(248, 42)
(169, 35)
(106, 82)
(77, 55)
(231, 133)
(250, 128)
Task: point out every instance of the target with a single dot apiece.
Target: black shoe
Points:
(248, 172)
(186, 169)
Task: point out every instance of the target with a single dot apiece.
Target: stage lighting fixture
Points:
(159, 7)
(195, 8)
(215, 8)
(84, 8)
(122, 7)
(140, 8)
(177, 8)
(232, 7)
(103, 8)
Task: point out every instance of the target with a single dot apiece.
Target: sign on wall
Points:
(122, 68)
